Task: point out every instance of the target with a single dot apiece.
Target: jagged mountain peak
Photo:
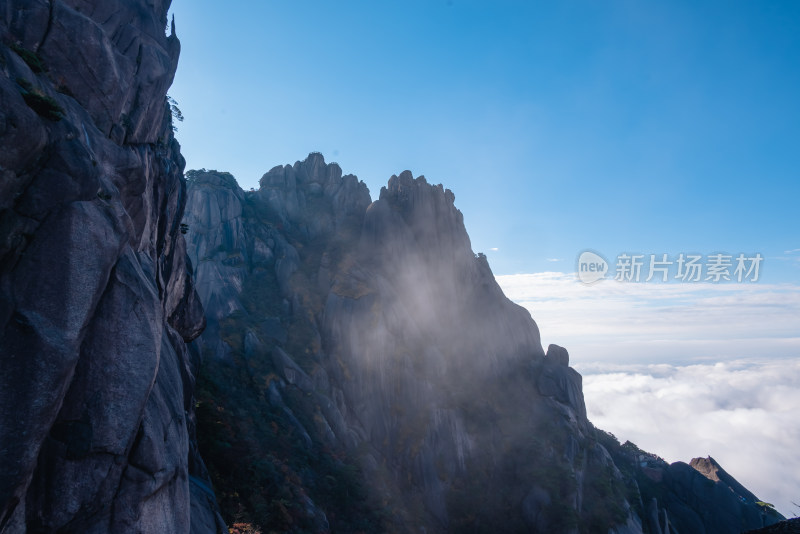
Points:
(415, 197)
(391, 323)
(212, 177)
(312, 170)
(399, 187)
(710, 469)
(292, 192)
(371, 331)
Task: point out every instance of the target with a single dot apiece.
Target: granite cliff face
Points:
(364, 372)
(696, 497)
(96, 298)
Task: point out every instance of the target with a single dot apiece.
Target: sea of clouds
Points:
(685, 370)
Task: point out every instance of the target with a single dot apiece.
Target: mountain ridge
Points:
(386, 326)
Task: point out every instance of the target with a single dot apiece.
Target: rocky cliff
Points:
(696, 497)
(361, 369)
(363, 372)
(96, 298)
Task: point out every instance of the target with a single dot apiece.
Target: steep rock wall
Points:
(96, 298)
(383, 343)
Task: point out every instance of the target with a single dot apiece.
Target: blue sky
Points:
(623, 126)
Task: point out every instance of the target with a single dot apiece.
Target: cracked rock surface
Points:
(96, 298)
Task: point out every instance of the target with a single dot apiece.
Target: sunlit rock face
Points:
(96, 298)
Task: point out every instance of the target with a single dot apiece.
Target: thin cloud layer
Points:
(743, 413)
(686, 323)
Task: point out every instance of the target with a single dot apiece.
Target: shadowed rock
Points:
(385, 338)
(96, 297)
(371, 335)
(790, 526)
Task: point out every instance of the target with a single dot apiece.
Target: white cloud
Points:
(494, 249)
(746, 414)
(685, 370)
(651, 323)
(554, 259)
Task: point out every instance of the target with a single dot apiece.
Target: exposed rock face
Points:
(398, 340)
(249, 277)
(732, 504)
(697, 497)
(96, 299)
(356, 345)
